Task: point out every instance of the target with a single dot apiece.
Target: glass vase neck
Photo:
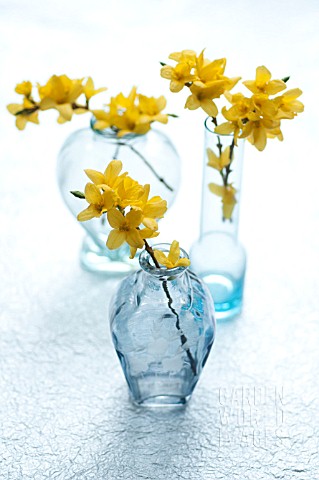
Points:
(110, 134)
(213, 201)
(162, 273)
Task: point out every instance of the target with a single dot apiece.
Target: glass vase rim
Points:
(111, 134)
(215, 133)
(162, 273)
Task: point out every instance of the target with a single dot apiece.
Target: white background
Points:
(63, 402)
(119, 43)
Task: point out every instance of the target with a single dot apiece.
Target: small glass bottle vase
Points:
(163, 327)
(217, 257)
(150, 158)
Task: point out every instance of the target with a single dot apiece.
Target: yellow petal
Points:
(108, 200)
(95, 177)
(47, 103)
(161, 117)
(275, 86)
(24, 88)
(213, 160)
(133, 251)
(92, 194)
(217, 189)
(192, 102)
(150, 223)
(209, 107)
(79, 111)
(228, 210)
(167, 71)
(155, 208)
(225, 158)
(292, 94)
(174, 252)
(183, 262)
(134, 239)
(263, 76)
(161, 103)
(65, 110)
(21, 122)
(34, 117)
(162, 259)
(148, 233)
(90, 212)
(112, 171)
(115, 218)
(115, 239)
(225, 128)
(176, 86)
(259, 138)
(134, 218)
(251, 85)
(14, 108)
(61, 120)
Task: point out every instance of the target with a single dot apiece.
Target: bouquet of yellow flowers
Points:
(131, 214)
(256, 117)
(123, 114)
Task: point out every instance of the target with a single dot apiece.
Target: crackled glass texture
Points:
(163, 327)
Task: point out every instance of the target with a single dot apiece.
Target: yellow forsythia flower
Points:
(152, 209)
(150, 109)
(218, 162)
(60, 92)
(205, 79)
(227, 195)
(144, 233)
(287, 104)
(185, 56)
(24, 88)
(258, 117)
(124, 229)
(179, 76)
(89, 89)
(130, 122)
(111, 176)
(99, 202)
(171, 260)
(27, 112)
(263, 82)
(129, 192)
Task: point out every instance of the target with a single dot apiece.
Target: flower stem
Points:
(147, 163)
(28, 111)
(183, 338)
(118, 146)
(228, 169)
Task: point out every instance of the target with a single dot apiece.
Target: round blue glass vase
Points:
(163, 326)
(218, 257)
(150, 158)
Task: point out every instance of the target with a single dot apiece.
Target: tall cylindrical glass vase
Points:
(217, 256)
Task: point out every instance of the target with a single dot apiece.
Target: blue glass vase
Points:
(163, 327)
(218, 257)
(149, 158)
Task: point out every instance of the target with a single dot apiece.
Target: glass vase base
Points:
(162, 401)
(94, 258)
(227, 294)
(161, 390)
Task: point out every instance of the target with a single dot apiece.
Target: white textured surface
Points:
(64, 411)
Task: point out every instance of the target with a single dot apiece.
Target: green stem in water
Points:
(118, 146)
(183, 338)
(225, 172)
(147, 163)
